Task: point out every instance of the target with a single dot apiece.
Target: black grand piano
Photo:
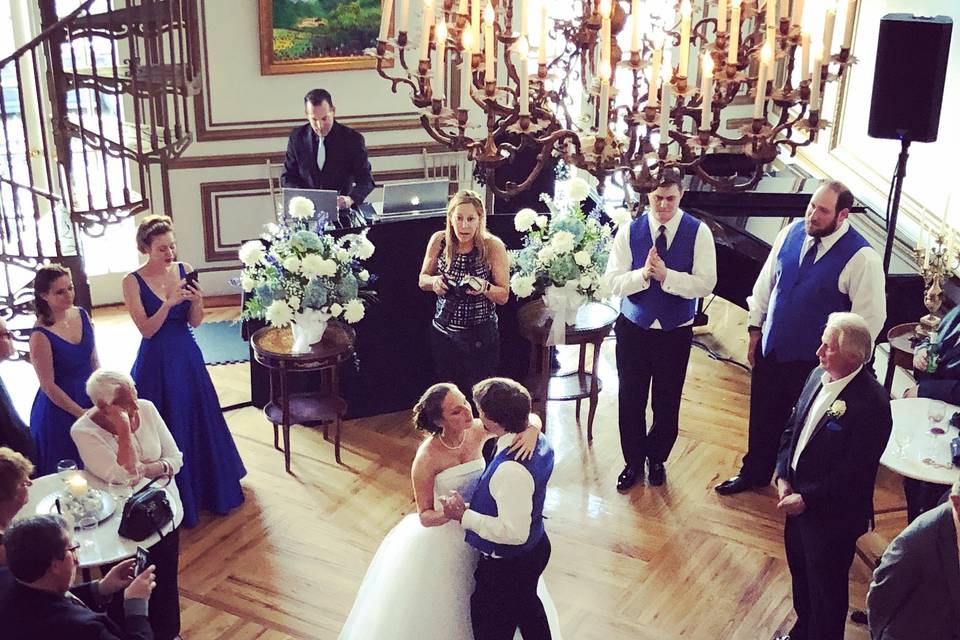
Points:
(393, 365)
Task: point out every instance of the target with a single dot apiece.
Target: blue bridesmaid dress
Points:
(49, 424)
(169, 372)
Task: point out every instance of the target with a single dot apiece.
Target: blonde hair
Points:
(853, 335)
(150, 227)
(14, 467)
(466, 196)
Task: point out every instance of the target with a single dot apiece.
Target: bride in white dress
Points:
(419, 583)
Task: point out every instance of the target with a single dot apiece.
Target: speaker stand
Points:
(895, 203)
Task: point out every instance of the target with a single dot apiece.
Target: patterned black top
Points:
(463, 311)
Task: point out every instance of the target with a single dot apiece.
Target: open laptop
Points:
(324, 203)
(416, 197)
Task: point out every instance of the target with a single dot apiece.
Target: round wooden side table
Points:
(594, 322)
(271, 348)
(901, 341)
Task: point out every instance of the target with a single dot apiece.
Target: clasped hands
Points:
(453, 505)
(791, 503)
(654, 268)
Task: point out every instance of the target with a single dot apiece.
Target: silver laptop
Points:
(416, 196)
(324, 203)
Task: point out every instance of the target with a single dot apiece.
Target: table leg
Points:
(286, 446)
(336, 439)
(891, 369)
(543, 384)
(580, 371)
(276, 437)
(594, 389)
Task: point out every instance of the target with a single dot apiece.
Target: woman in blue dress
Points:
(169, 371)
(64, 355)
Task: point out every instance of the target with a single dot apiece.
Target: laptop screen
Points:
(420, 196)
(324, 203)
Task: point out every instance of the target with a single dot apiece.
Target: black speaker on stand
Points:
(908, 81)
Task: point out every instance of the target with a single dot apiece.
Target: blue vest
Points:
(540, 467)
(653, 303)
(799, 306)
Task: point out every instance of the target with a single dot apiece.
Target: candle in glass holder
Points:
(465, 71)
(488, 49)
(440, 68)
(734, 32)
(77, 486)
(766, 54)
(685, 11)
(706, 91)
(385, 20)
(848, 27)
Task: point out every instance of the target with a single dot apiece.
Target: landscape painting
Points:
(298, 36)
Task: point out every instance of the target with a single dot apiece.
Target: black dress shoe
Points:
(658, 475)
(630, 476)
(736, 484)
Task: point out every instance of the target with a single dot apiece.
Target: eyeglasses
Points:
(73, 549)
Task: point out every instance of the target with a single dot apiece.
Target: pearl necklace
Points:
(463, 436)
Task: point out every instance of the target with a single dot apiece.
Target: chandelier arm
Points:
(394, 81)
(548, 144)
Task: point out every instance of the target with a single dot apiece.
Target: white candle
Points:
(462, 7)
(766, 53)
(604, 99)
(784, 9)
(797, 15)
(524, 17)
(706, 91)
(828, 28)
(655, 74)
(465, 71)
(385, 20)
(425, 34)
(440, 67)
(77, 486)
(404, 15)
(734, 33)
(475, 21)
(815, 85)
(488, 50)
(848, 28)
(805, 55)
(522, 51)
(665, 115)
(635, 26)
(771, 12)
(542, 52)
(721, 16)
(685, 11)
(605, 49)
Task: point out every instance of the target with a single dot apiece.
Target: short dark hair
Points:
(670, 176)
(844, 195)
(429, 408)
(505, 401)
(316, 97)
(33, 543)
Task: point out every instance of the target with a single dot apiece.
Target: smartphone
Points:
(191, 279)
(142, 562)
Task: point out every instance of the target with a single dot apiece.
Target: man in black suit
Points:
(826, 469)
(324, 154)
(40, 604)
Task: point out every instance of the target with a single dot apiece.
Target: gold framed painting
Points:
(303, 36)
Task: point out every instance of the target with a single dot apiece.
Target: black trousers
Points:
(505, 596)
(467, 356)
(819, 557)
(164, 605)
(775, 388)
(922, 496)
(646, 356)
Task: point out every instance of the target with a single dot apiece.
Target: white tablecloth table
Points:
(107, 545)
(910, 414)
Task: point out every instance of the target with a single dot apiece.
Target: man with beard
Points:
(817, 266)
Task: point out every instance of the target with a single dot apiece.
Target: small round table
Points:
(106, 545)
(594, 322)
(901, 341)
(271, 348)
(910, 416)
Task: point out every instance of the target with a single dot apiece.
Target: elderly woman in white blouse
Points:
(123, 437)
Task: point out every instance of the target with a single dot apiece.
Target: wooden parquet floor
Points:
(660, 563)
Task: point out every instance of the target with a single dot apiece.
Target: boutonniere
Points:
(837, 409)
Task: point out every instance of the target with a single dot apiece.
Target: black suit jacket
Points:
(944, 383)
(838, 467)
(345, 170)
(31, 614)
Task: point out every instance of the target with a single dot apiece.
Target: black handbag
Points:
(146, 512)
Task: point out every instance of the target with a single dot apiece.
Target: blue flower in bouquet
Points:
(348, 288)
(269, 292)
(600, 259)
(576, 227)
(315, 294)
(563, 268)
(527, 258)
(305, 241)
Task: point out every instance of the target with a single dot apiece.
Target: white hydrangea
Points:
(247, 283)
(314, 265)
(577, 189)
(563, 242)
(524, 220)
(586, 280)
(294, 302)
(336, 309)
(363, 248)
(620, 216)
(279, 313)
(542, 221)
(364, 275)
(301, 208)
(546, 254)
(343, 255)
(291, 264)
(522, 286)
(582, 258)
(251, 252)
(353, 311)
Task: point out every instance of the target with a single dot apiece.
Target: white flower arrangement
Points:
(303, 273)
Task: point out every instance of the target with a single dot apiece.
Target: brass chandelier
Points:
(469, 72)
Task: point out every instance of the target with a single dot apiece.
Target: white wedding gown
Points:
(419, 583)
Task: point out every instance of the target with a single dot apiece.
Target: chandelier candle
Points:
(706, 91)
(815, 83)
(465, 70)
(385, 20)
(766, 54)
(665, 117)
(635, 26)
(685, 11)
(734, 33)
(721, 16)
(522, 51)
(488, 50)
(828, 27)
(542, 53)
(805, 55)
(440, 68)
(604, 100)
(404, 16)
(425, 35)
(848, 27)
(605, 44)
(797, 16)
(655, 74)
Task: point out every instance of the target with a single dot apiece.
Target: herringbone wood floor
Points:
(660, 563)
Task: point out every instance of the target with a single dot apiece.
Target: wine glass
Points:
(902, 438)
(65, 469)
(121, 487)
(936, 411)
(87, 524)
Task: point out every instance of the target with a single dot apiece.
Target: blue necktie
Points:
(809, 257)
(661, 242)
(321, 153)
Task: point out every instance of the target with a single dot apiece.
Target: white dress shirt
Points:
(861, 279)
(152, 442)
(829, 390)
(622, 280)
(512, 488)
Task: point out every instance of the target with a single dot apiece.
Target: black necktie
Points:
(811, 254)
(661, 242)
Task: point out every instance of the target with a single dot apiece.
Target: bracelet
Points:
(165, 467)
(487, 288)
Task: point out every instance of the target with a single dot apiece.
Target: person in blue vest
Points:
(660, 265)
(505, 521)
(817, 266)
